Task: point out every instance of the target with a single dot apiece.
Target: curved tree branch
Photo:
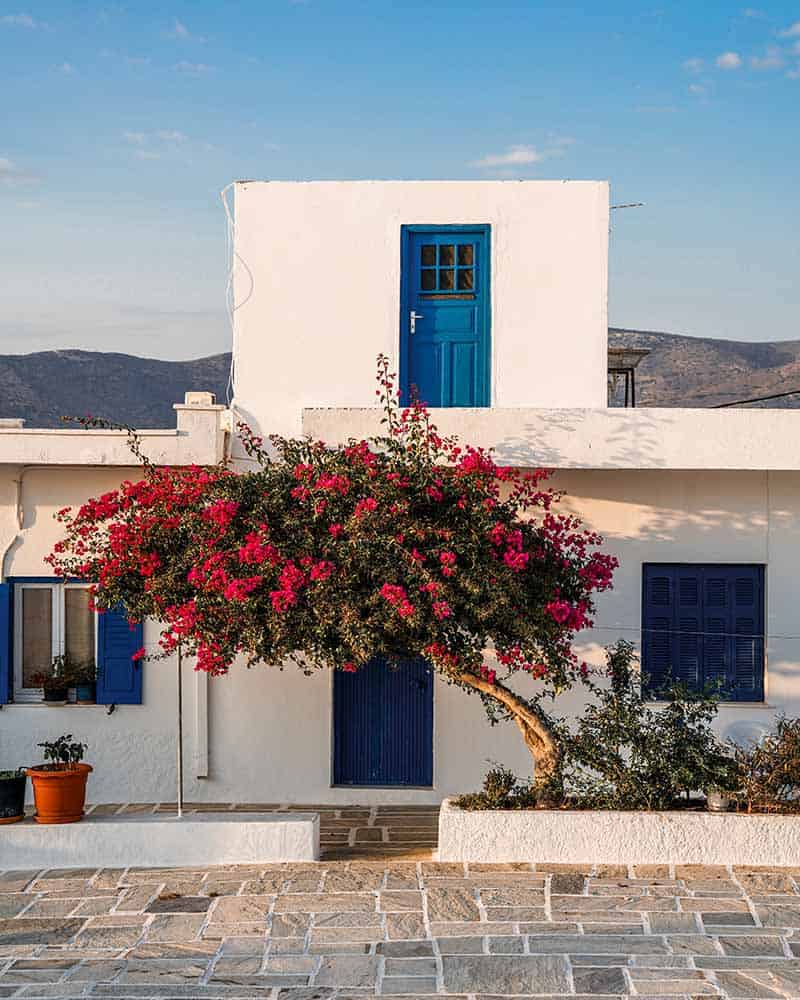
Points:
(533, 724)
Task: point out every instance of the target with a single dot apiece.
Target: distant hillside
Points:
(680, 371)
(699, 371)
(138, 391)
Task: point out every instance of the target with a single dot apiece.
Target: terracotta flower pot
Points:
(59, 793)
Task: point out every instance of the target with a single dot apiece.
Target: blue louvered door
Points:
(703, 625)
(383, 724)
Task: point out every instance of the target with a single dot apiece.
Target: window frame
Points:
(652, 695)
(58, 589)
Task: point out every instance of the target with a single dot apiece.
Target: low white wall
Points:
(628, 838)
(153, 841)
(654, 439)
(317, 287)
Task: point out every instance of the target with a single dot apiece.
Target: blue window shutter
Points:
(657, 638)
(703, 625)
(688, 624)
(746, 627)
(6, 642)
(119, 678)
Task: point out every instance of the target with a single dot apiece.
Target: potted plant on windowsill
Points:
(83, 678)
(12, 796)
(54, 684)
(59, 786)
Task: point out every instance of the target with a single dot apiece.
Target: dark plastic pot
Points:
(86, 692)
(12, 798)
(55, 694)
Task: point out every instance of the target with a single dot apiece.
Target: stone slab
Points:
(607, 837)
(163, 840)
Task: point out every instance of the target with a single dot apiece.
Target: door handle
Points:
(414, 316)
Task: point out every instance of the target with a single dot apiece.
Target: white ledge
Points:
(642, 438)
(163, 840)
(607, 837)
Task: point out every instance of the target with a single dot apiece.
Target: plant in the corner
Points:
(59, 785)
(769, 770)
(54, 683)
(626, 754)
(12, 795)
(83, 677)
(502, 789)
(405, 545)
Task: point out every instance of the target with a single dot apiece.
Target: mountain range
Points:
(679, 371)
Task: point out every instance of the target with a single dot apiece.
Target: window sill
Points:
(51, 704)
(722, 705)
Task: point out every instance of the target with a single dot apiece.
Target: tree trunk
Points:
(536, 731)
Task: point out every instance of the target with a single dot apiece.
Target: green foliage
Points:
(63, 751)
(501, 790)
(769, 771)
(626, 754)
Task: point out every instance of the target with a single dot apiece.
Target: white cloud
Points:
(171, 135)
(698, 89)
(135, 137)
(147, 154)
(793, 31)
(524, 155)
(66, 68)
(192, 69)
(514, 156)
(773, 59)
(12, 174)
(753, 12)
(793, 74)
(729, 60)
(19, 21)
(694, 65)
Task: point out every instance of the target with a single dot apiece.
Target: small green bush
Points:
(501, 790)
(626, 754)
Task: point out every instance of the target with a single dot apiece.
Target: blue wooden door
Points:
(383, 724)
(445, 315)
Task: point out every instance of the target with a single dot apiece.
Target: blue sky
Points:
(120, 123)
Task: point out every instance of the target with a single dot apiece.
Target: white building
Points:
(491, 297)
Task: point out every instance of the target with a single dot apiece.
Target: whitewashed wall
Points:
(269, 731)
(317, 287)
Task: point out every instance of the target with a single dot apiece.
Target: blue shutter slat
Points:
(717, 629)
(687, 641)
(657, 615)
(6, 642)
(747, 628)
(119, 679)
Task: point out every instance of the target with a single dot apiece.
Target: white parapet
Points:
(627, 838)
(162, 841)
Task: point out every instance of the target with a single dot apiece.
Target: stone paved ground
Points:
(343, 929)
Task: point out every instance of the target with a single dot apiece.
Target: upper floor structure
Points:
(490, 297)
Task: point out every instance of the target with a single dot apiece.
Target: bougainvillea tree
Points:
(404, 545)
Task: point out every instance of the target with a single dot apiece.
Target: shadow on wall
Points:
(627, 448)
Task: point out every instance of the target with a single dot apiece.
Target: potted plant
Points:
(59, 786)
(55, 684)
(12, 796)
(83, 678)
